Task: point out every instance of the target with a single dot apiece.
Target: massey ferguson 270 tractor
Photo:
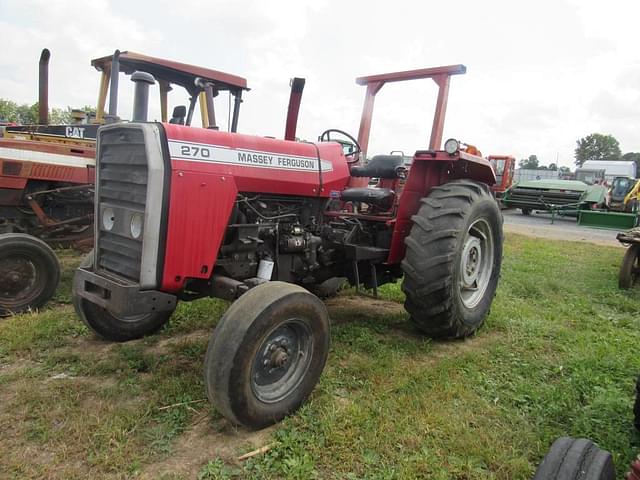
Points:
(184, 213)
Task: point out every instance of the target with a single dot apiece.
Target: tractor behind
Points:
(185, 213)
(47, 171)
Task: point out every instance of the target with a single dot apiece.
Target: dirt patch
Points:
(88, 344)
(450, 348)
(167, 344)
(345, 308)
(205, 441)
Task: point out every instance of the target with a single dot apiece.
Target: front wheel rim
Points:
(21, 280)
(282, 361)
(476, 263)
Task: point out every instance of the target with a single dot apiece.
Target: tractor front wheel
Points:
(111, 327)
(630, 268)
(453, 258)
(29, 273)
(266, 354)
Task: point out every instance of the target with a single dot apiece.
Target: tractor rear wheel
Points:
(266, 354)
(573, 459)
(29, 273)
(630, 268)
(453, 258)
(112, 327)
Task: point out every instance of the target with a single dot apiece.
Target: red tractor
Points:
(504, 166)
(185, 213)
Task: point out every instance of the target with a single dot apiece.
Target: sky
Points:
(540, 74)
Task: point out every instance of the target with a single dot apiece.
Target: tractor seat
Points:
(379, 197)
(178, 115)
(381, 166)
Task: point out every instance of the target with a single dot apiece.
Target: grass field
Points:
(557, 356)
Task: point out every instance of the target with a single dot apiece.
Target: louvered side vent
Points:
(122, 192)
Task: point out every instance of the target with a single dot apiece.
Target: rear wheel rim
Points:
(21, 280)
(282, 361)
(476, 263)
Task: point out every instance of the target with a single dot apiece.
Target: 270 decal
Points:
(195, 151)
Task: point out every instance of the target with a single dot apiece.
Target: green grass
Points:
(557, 356)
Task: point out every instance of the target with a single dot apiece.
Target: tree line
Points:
(592, 147)
(25, 114)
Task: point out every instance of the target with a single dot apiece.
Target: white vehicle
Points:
(612, 168)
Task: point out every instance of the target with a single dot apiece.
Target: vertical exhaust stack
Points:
(141, 95)
(113, 85)
(43, 87)
(297, 86)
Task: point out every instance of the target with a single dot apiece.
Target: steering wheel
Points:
(326, 137)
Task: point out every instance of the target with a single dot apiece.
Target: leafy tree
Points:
(529, 163)
(597, 147)
(26, 114)
(553, 166)
(565, 170)
(635, 157)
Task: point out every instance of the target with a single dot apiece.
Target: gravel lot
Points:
(563, 228)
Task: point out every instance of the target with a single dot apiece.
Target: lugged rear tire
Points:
(458, 222)
(110, 327)
(575, 459)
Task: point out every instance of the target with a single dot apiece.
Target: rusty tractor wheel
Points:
(266, 354)
(29, 273)
(630, 268)
(576, 459)
(452, 264)
(111, 327)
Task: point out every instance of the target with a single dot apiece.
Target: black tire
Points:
(249, 374)
(29, 273)
(573, 459)
(636, 406)
(525, 211)
(449, 228)
(630, 267)
(111, 327)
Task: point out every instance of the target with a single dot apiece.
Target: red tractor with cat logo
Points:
(185, 213)
(47, 171)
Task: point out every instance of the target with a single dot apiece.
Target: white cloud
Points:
(540, 74)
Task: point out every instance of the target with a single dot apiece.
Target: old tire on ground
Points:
(453, 259)
(573, 459)
(266, 354)
(29, 273)
(111, 327)
(636, 406)
(525, 211)
(630, 267)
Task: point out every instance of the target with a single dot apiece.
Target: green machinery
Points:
(570, 198)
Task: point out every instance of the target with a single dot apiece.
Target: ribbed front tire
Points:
(453, 258)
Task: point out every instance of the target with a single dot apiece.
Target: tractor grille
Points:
(122, 188)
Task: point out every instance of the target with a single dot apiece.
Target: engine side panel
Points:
(199, 209)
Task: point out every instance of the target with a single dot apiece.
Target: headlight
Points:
(451, 146)
(137, 222)
(108, 218)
